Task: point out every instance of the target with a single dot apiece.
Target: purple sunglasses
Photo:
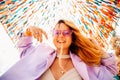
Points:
(63, 32)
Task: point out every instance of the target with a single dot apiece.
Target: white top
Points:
(72, 74)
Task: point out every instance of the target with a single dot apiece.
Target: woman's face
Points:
(62, 36)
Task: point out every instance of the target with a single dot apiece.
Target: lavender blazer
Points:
(36, 60)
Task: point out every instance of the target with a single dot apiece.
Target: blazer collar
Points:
(80, 66)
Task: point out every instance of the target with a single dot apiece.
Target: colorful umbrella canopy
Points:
(95, 18)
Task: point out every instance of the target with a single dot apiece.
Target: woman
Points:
(116, 47)
(75, 57)
(117, 76)
(115, 42)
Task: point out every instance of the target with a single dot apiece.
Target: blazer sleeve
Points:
(25, 45)
(110, 64)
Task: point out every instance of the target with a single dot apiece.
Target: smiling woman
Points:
(8, 53)
(75, 56)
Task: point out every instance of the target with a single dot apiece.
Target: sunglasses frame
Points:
(63, 32)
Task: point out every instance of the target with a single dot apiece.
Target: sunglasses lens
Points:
(64, 32)
(56, 32)
(67, 32)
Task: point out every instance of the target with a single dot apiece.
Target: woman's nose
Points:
(61, 34)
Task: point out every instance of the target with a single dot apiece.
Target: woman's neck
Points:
(63, 51)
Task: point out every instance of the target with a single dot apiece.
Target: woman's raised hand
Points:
(36, 32)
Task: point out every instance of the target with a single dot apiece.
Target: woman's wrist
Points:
(27, 32)
(24, 34)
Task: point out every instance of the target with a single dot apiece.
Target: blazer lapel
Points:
(80, 66)
(48, 62)
(50, 59)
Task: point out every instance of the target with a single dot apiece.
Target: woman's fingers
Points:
(37, 33)
(40, 37)
(45, 34)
